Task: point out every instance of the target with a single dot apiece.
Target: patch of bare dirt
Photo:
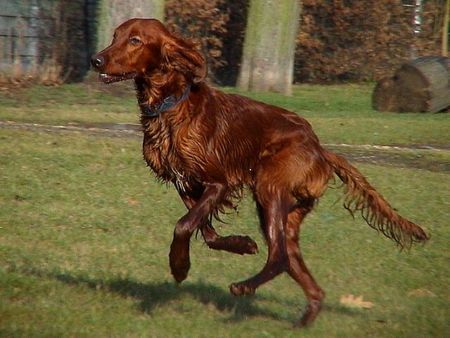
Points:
(405, 157)
(410, 156)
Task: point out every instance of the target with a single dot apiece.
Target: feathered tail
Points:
(376, 211)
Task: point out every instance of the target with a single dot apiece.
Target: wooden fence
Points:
(38, 36)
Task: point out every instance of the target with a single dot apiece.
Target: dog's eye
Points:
(135, 41)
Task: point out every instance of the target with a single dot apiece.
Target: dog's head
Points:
(142, 47)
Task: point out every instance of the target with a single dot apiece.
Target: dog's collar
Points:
(168, 103)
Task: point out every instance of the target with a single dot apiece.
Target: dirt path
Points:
(419, 156)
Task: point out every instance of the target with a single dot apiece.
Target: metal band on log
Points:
(422, 85)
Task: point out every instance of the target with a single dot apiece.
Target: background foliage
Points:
(338, 40)
(217, 26)
(362, 40)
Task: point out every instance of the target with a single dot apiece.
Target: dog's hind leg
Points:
(273, 216)
(297, 268)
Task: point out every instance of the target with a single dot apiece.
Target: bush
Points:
(217, 26)
(351, 40)
(203, 22)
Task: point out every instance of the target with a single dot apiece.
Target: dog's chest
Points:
(166, 154)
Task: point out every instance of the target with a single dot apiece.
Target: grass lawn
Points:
(85, 232)
(339, 114)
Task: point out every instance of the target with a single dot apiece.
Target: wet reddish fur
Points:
(213, 145)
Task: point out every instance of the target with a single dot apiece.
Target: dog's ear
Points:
(183, 57)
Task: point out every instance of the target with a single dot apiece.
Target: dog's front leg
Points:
(234, 243)
(179, 249)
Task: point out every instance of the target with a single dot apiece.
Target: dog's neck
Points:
(159, 93)
(168, 102)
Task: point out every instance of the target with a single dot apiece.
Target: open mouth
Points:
(110, 78)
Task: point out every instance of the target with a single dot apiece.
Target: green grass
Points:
(339, 114)
(85, 231)
(343, 114)
(69, 103)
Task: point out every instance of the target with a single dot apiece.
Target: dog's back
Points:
(210, 145)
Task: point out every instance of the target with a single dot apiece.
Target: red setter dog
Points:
(211, 145)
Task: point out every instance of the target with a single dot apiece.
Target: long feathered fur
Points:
(361, 197)
(212, 145)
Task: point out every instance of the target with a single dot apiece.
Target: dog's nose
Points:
(97, 61)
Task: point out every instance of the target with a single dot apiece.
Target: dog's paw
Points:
(241, 289)
(249, 246)
(180, 272)
(236, 244)
(311, 312)
(179, 262)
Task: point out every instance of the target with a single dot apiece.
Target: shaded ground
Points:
(420, 156)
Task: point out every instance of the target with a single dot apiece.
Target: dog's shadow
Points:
(151, 295)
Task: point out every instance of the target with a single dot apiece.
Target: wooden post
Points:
(445, 29)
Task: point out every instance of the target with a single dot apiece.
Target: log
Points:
(422, 85)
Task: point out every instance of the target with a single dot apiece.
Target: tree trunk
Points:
(269, 46)
(114, 12)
